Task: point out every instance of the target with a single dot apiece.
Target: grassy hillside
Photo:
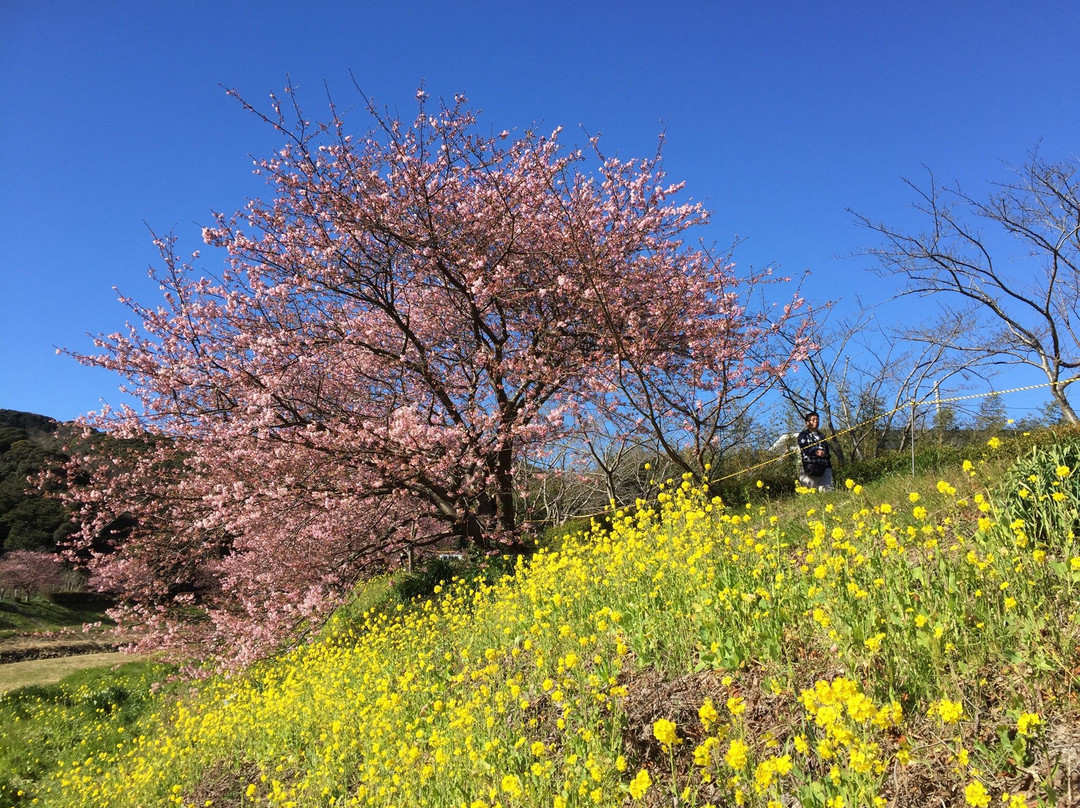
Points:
(68, 610)
(910, 642)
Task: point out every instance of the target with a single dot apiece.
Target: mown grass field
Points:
(49, 670)
(42, 641)
(909, 642)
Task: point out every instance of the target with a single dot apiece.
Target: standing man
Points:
(814, 453)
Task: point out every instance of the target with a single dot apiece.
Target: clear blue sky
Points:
(780, 116)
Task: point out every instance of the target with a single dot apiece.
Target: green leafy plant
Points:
(1042, 489)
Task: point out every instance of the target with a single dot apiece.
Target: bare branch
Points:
(1015, 309)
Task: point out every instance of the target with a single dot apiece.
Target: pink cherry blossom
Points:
(413, 314)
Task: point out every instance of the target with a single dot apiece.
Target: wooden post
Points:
(912, 437)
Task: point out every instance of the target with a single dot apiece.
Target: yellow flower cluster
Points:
(664, 731)
(513, 693)
(950, 712)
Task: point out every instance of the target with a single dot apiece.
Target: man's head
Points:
(811, 419)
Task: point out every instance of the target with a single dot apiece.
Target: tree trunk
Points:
(504, 482)
(1058, 392)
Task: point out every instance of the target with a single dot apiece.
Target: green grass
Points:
(42, 614)
(49, 671)
(85, 714)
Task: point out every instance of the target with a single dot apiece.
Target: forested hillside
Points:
(29, 444)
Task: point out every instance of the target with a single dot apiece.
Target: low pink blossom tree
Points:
(413, 313)
(28, 572)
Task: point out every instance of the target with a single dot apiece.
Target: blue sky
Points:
(780, 116)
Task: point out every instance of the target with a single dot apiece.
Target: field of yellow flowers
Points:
(916, 646)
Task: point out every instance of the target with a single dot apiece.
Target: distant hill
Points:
(29, 443)
(28, 421)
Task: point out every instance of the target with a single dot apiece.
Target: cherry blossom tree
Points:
(413, 313)
(30, 573)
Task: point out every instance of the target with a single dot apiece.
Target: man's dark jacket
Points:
(810, 440)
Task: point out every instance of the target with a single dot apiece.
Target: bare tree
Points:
(558, 487)
(1022, 307)
(863, 378)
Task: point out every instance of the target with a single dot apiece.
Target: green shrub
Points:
(82, 601)
(421, 582)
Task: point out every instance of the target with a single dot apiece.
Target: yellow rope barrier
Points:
(904, 406)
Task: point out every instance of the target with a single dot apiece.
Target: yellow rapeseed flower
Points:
(664, 731)
(950, 712)
(763, 776)
(975, 795)
(703, 752)
(944, 488)
(1027, 722)
(874, 643)
(707, 713)
(640, 784)
(512, 786)
(735, 756)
